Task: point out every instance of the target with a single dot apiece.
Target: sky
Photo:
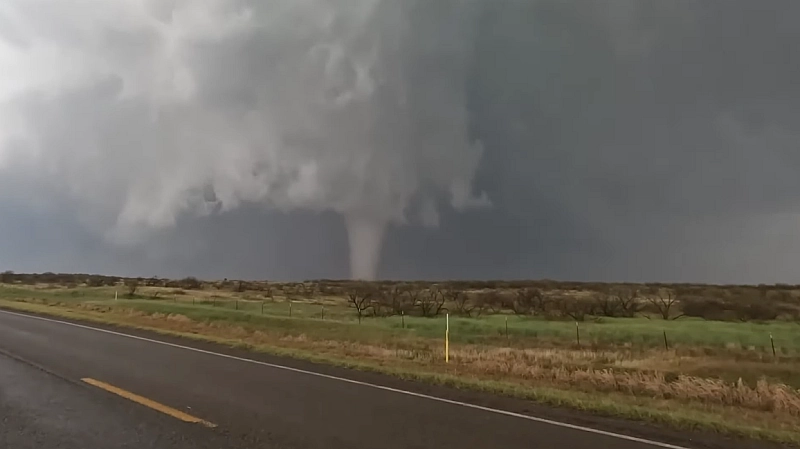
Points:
(597, 140)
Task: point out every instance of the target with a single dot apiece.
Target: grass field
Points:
(709, 374)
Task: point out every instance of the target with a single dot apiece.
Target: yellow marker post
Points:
(447, 340)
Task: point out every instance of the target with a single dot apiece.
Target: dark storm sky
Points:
(621, 140)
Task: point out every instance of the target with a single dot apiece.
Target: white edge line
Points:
(365, 384)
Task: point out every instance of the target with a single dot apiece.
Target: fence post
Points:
(666, 345)
(262, 306)
(403, 319)
(447, 339)
(290, 309)
(193, 300)
(578, 333)
(323, 312)
(115, 295)
(772, 342)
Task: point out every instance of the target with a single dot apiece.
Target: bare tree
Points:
(463, 305)
(576, 309)
(382, 301)
(478, 305)
(460, 301)
(412, 296)
(628, 302)
(132, 285)
(360, 297)
(398, 299)
(241, 286)
(431, 302)
(522, 302)
(529, 301)
(489, 300)
(663, 301)
(605, 305)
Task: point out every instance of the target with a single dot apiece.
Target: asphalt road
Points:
(261, 402)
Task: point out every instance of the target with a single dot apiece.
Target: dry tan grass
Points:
(574, 368)
(622, 372)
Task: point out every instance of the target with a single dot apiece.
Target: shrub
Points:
(528, 301)
(489, 301)
(132, 285)
(758, 311)
(7, 277)
(190, 283)
(706, 308)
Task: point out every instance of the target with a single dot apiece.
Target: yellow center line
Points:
(148, 403)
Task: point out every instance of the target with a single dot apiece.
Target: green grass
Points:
(78, 294)
(328, 328)
(638, 333)
(721, 362)
(732, 350)
(634, 332)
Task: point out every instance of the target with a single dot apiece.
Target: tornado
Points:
(365, 237)
(355, 107)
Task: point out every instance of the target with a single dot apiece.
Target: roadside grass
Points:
(424, 336)
(728, 351)
(749, 339)
(686, 386)
(753, 338)
(55, 293)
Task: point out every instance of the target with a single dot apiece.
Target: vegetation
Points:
(719, 357)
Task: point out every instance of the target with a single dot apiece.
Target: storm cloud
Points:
(598, 140)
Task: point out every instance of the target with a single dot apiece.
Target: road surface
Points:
(70, 385)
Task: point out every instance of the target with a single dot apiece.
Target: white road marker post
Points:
(115, 295)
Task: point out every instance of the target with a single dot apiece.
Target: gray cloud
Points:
(616, 139)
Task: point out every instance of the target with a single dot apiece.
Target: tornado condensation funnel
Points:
(366, 238)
